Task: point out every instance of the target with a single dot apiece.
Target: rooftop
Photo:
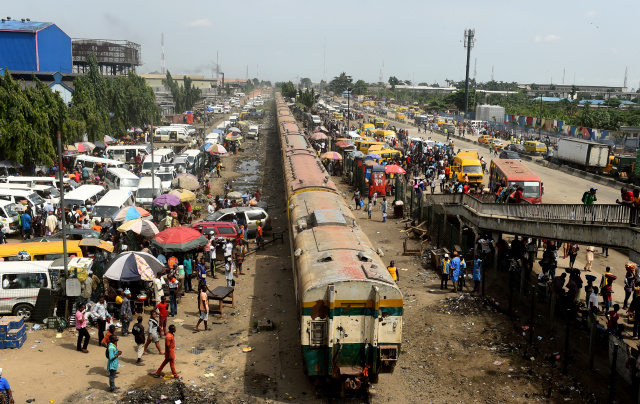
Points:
(26, 26)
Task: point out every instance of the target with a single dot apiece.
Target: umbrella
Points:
(176, 239)
(321, 128)
(217, 149)
(253, 202)
(342, 143)
(96, 242)
(234, 195)
(373, 156)
(100, 145)
(209, 109)
(129, 213)
(133, 266)
(235, 130)
(167, 199)
(145, 228)
(108, 139)
(394, 169)
(232, 137)
(319, 136)
(356, 153)
(184, 195)
(84, 146)
(331, 155)
(186, 181)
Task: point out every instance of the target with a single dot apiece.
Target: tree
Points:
(184, 96)
(360, 87)
(29, 121)
(340, 84)
(393, 81)
(305, 82)
(256, 82)
(288, 90)
(308, 98)
(534, 86)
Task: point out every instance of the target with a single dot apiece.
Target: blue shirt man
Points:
(112, 363)
(455, 269)
(162, 259)
(26, 221)
(476, 269)
(201, 269)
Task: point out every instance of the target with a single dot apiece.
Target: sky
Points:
(584, 42)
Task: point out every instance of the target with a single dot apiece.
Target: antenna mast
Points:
(163, 69)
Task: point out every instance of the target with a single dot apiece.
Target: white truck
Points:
(579, 153)
(253, 132)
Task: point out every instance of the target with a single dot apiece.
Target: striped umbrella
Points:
(130, 213)
(216, 149)
(331, 155)
(184, 195)
(133, 266)
(145, 228)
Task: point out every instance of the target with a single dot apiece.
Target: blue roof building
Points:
(34, 46)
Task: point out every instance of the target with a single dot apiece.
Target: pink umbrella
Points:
(85, 146)
(319, 136)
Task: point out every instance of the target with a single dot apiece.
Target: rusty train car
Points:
(349, 307)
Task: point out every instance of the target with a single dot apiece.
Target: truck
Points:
(253, 132)
(583, 154)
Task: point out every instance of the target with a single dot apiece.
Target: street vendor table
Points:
(220, 293)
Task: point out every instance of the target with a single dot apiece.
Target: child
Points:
(369, 209)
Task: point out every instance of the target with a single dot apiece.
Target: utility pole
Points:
(469, 40)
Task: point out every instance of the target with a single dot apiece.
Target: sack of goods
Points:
(13, 332)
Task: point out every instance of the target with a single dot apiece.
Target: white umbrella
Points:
(235, 130)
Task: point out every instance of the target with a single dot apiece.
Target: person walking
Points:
(445, 268)
(259, 235)
(188, 273)
(6, 396)
(477, 266)
(101, 314)
(369, 209)
(588, 199)
(356, 197)
(126, 316)
(455, 271)
(573, 253)
(163, 312)
(393, 270)
(169, 354)
(201, 271)
(203, 307)
(81, 327)
(383, 207)
(112, 364)
(26, 224)
(174, 284)
(153, 333)
(589, 258)
(228, 272)
(138, 333)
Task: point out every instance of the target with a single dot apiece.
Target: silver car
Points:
(248, 216)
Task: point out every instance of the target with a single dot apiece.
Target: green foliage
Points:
(393, 81)
(360, 87)
(340, 84)
(30, 118)
(305, 82)
(184, 96)
(288, 90)
(308, 98)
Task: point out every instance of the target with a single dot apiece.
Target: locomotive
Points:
(350, 309)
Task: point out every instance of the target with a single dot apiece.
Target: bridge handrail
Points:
(577, 213)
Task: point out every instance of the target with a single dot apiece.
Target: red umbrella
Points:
(179, 239)
(342, 143)
(394, 169)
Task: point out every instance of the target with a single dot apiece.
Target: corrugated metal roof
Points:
(27, 26)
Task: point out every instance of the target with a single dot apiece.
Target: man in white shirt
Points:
(51, 223)
(210, 208)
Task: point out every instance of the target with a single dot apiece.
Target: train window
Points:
(318, 333)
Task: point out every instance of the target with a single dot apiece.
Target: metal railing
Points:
(579, 213)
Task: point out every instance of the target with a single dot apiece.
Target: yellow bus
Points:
(534, 147)
(469, 166)
(40, 251)
(364, 146)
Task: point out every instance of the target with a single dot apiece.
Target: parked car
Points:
(216, 229)
(244, 215)
(516, 147)
(507, 154)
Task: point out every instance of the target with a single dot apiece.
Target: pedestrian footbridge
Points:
(604, 225)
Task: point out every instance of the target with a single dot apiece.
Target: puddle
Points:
(248, 181)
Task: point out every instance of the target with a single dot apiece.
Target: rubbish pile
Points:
(170, 393)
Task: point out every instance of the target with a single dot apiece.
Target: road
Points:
(560, 188)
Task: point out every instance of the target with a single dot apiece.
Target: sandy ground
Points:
(454, 348)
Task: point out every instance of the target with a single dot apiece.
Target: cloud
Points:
(546, 38)
(590, 14)
(199, 23)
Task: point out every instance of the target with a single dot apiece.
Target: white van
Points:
(52, 194)
(84, 195)
(21, 281)
(128, 154)
(166, 173)
(50, 181)
(253, 132)
(90, 162)
(111, 203)
(17, 195)
(8, 217)
(233, 119)
(191, 130)
(160, 156)
(173, 134)
(119, 178)
(213, 138)
(148, 189)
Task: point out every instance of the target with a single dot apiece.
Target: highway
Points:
(560, 188)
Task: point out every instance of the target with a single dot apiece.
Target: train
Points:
(349, 307)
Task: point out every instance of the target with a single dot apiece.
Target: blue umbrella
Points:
(129, 213)
(210, 109)
(373, 156)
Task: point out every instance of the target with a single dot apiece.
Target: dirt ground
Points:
(455, 349)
